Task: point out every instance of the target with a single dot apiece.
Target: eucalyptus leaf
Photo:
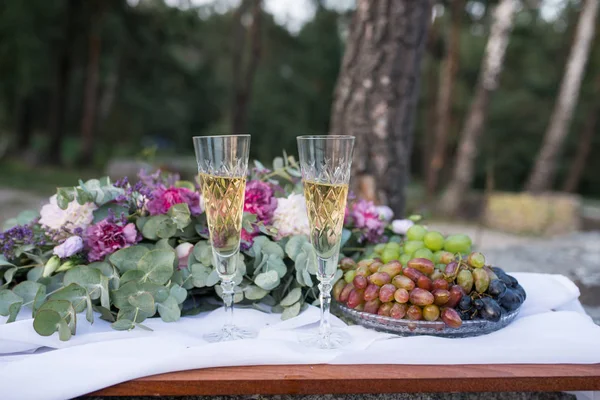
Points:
(9, 274)
(122, 325)
(275, 263)
(292, 311)
(89, 278)
(213, 278)
(109, 271)
(7, 298)
(253, 292)
(307, 278)
(346, 234)
(203, 253)
(169, 310)
(4, 262)
(153, 224)
(46, 322)
(144, 301)
(27, 290)
(74, 293)
(158, 292)
(39, 299)
(132, 275)
(166, 229)
(200, 274)
(127, 259)
(180, 215)
(183, 278)
(277, 309)
(267, 280)
(278, 163)
(164, 244)
(64, 331)
(144, 327)
(120, 297)
(35, 273)
(178, 293)
(133, 314)
(105, 313)
(292, 297)
(157, 266)
(294, 246)
(103, 212)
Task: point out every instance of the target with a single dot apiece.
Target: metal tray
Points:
(404, 327)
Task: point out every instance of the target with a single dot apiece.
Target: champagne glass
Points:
(325, 163)
(223, 166)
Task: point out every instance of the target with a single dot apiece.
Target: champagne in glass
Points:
(325, 162)
(223, 165)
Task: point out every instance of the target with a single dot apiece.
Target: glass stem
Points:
(325, 299)
(325, 277)
(228, 289)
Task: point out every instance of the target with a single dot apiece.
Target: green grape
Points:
(349, 275)
(433, 240)
(416, 232)
(423, 253)
(440, 267)
(458, 244)
(404, 259)
(411, 246)
(476, 260)
(379, 248)
(392, 246)
(389, 255)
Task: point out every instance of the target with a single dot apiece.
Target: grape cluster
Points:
(428, 277)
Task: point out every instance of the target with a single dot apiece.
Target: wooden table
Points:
(339, 379)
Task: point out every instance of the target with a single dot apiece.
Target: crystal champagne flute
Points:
(222, 165)
(325, 162)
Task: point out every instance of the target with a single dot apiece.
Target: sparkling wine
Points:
(224, 204)
(326, 205)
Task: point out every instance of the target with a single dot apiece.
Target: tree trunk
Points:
(91, 85)
(444, 101)
(542, 175)
(487, 83)
(60, 97)
(584, 145)
(243, 79)
(376, 94)
(430, 98)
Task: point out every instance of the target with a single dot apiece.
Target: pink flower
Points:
(104, 238)
(247, 239)
(259, 200)
(163, 199)
(183, 253)
(365, 216)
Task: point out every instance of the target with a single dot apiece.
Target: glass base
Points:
(228, 333)
(336, 339)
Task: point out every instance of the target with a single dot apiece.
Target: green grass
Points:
(40, 179)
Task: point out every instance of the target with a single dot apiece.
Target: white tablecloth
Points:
(551, 328)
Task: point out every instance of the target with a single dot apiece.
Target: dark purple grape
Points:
(496, 288)
(513, 281)
(519, 289)
(465, 315)
(511, 300)
(478, 304)
(491, 310)
(499, 271)
(464, 303)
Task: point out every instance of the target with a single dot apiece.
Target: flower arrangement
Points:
(126, 252)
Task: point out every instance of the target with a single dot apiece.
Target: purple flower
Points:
(104, 238)
(163, 199)
(69, 247)
(364, 215)
(259, 200)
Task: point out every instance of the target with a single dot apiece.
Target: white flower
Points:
(183, 253)
(290, 217)
(385, 213)
(400, 226)
(72, 245)
(75, 216)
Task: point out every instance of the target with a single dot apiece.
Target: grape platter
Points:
(428, 278)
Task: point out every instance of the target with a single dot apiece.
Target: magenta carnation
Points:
(365, 216)
(259, 200)
(106, 237)
(163, 199)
